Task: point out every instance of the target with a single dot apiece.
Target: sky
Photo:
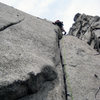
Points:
(52, 10)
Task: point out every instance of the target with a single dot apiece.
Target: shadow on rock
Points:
(33, 84)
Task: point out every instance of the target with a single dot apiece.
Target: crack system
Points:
(10, 24)
(63, 70)
(64, 76)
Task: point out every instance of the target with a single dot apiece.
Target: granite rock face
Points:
(37, 63)
(81, 58)
(30, 66)
(87, 28)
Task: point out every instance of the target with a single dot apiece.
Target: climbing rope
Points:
(66, 74)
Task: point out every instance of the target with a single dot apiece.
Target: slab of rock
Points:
(81, 58)
(29, 57)
(82, 69)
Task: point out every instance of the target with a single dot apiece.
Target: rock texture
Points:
(81, 59)
(87, 28)
(37, 63)
(30, 66)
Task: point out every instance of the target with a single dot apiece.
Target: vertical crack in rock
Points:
(63, 69)
(33, 84)
(79, 31)
(64, 76)
(10, 24)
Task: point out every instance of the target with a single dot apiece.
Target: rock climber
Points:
(60, 24)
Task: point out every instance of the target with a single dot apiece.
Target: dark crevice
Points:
(79, 31)
(64, 77)
(95, 39)
(64, 73)
(33, 84)
(96, 28)
(10, 24)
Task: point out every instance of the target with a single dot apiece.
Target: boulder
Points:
(87, 28)
(30, 66)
